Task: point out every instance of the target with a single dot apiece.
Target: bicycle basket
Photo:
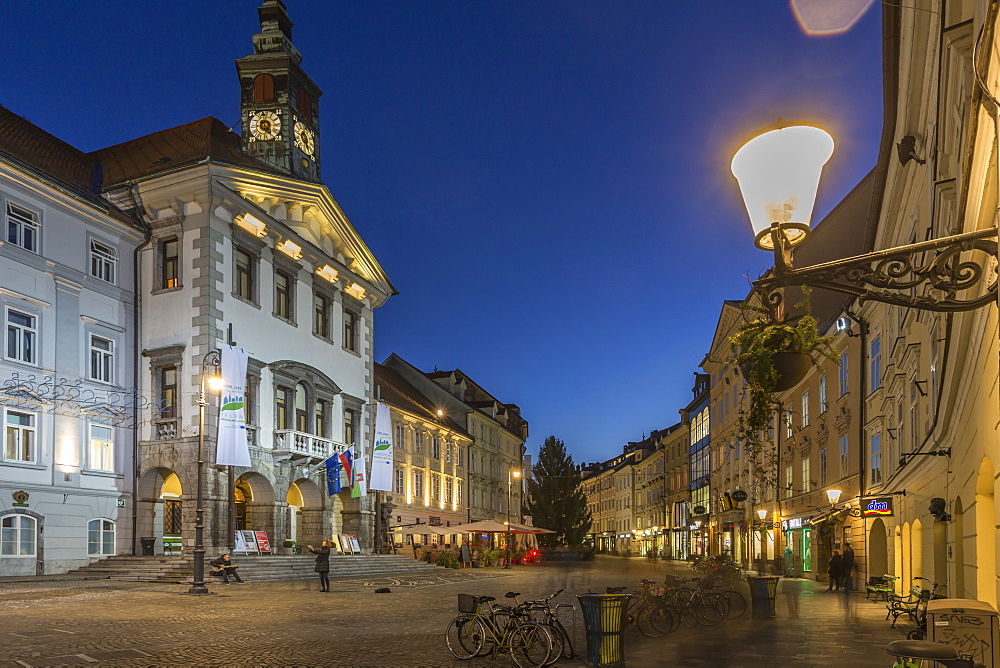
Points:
(467, 603)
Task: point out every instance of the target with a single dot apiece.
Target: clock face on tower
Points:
(265, 125)
(305, 139)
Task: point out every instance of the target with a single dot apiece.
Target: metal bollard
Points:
(604, 621)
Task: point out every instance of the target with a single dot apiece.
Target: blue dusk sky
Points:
(546, 183)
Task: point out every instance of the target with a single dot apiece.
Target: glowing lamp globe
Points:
(833, 495)
(778, 171)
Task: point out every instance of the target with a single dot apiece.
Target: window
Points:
(788, 422)
(102, 359)
(822, 467)
(806, 482)
(400, 437)
(350, 330)
(435, 487)
(305, 104)
(459, 499)
(170, 276)
(102, 448)
(320, 429)
(447, 452)
(418, 485)
(399, 481)
(435, 448)
(263, 88)
(246, 274)
(843, 373)
(22, 227)
(875, 452)
(349, 433)
(17, 536)
(823, 405)
(321, 315)
(284, 287)
(449, 490)
(101, 537)
(168, 392)
(19, 436)
(418, 443)
(788, 481)
(875, 364)
(805, 409)
(172, 515)
(282, 401)
(250, 400)
(22, 333)
(301, 414)
(845, 464)
(461, 455)
(103, 261)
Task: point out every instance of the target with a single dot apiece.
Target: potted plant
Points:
(774, 352)
(292, 547)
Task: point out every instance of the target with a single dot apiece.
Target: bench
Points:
(170, 543)
(913, 606)
(879, 586)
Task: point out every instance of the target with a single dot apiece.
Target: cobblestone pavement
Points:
(56, 622)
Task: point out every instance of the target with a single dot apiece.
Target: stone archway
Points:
(161, 510)
(986, 549)
(306, 513)
(878, 549)
(897, 559)
(917, 550)
(258, 506)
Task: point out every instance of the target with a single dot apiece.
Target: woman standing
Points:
(322, 564)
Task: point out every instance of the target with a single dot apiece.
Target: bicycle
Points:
(735, 602)
(912, 654)
(528, 643)
(643, 607)
(695, 606)
(563, 648)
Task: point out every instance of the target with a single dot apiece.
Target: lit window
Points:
(22, 227)
(17, 536)
(101, 537)
(103, 261)
(102, 359)
(22, 334)
(102, 448)
(168, 392)
(169, 264)
(19, 436)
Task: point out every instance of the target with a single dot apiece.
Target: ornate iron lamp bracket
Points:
(929, 275)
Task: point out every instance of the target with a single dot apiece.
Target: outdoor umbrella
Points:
(491, 526)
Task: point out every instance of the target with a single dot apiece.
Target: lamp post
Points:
(212, 359)
(778, 171)
(510, 476)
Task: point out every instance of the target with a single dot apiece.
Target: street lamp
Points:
(778, 171)
(510, 476)
(761, 514)
(212, 359)
(833, 495)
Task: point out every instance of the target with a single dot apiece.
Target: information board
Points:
(263, 545)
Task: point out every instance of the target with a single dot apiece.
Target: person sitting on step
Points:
(225, 567)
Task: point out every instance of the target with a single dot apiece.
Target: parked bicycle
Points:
(542, 612)
(482, 628)
(913, 653)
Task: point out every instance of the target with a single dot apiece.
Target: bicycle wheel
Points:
(465, 637)
(530, 644)
(567, 642)
(556, 641)
(645, 624)
(664, 619)
(737, 604)
(709, 611)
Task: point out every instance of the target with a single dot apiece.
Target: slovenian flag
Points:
(359, 488)
(347, 467)
(333, 475)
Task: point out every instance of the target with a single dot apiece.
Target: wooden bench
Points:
(879, 587)
(172, 542)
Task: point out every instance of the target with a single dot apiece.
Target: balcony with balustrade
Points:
(297, 445)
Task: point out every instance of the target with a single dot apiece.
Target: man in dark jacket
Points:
(847, 583)
(836, 569)
(225, 567)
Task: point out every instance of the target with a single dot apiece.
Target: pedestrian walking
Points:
(836, 570)
(846, 580)
(322, 564)
(789, 563)
(225, 567)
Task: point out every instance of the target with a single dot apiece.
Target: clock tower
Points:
(279, 103)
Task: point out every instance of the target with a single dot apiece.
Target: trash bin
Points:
(763, 591)
(968, 625)
(148, 545)
(604, 620)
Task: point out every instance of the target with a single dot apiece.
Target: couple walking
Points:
(841, 566)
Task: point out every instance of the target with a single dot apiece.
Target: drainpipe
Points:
(863, 331)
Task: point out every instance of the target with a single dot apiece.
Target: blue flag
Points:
(333, 475)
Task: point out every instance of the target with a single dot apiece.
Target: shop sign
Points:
(877, 507)
(794, 523)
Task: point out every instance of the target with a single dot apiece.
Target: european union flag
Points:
(333, 475)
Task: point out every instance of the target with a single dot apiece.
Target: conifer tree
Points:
(556, 500)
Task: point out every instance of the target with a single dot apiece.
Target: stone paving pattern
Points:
(59, 621)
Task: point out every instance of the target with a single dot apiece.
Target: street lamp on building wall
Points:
(778, 171)
(510, 476)
(212, 359)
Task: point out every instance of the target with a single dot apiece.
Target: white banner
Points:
(381, 477)
(232, 448)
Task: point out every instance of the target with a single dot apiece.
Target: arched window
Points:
(101, 537)
(301, 414)
(263, 88)
(305, 105)
(17, 536)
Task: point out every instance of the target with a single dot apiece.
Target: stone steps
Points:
(180, 569)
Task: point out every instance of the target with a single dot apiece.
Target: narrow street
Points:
(102, 623)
